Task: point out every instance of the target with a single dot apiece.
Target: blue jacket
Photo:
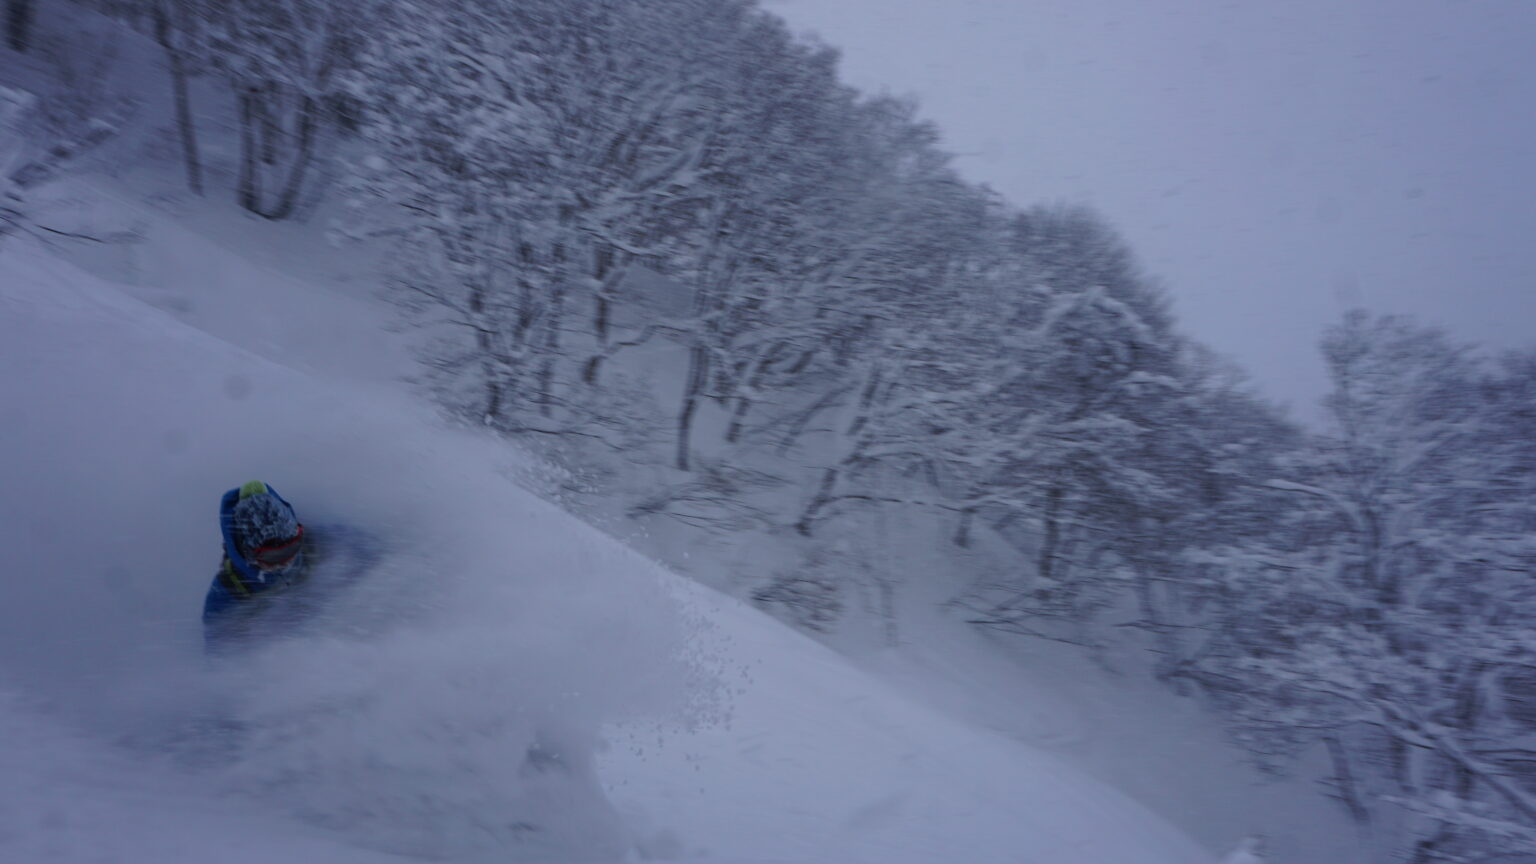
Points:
(244, 602)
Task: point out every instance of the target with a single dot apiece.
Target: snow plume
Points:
(68, 798)
(492, 626)
(470, 726)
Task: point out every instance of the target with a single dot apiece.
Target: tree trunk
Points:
(606, 274)
(555, 320)
(18, 23)
(866, 403)
(891, 625)
(522, 327)
(547, 387)
(1468, 708)
(1401, 759)
(743, 403)
(492, 395)
(1052, 538)
(485, 344)
(184, 122)
(1165, 638)
(308, 121)
(271, 129)
(1375, 577)
(590, 370)
(963, 530)
(600, 315)
(247, 188)
(185, 126)
(880, 565)
(738, 419)
(1344, 780)
(698, 371)
(822, 498)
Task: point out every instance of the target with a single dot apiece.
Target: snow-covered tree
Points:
(286, 62)
(1073, 411)
(923, 349)
(1388, 605)
(780, 185)
(536, 152)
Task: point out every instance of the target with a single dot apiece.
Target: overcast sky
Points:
(1271, 162)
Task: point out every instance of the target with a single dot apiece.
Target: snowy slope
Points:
(495, 621)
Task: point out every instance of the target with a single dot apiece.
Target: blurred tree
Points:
(286, 62)
(178, 29)
(18, 23)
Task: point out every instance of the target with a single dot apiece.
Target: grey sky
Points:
(1271, 162)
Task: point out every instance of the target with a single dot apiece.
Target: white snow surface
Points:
(692, 726)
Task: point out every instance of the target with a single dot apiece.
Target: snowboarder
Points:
(266, 553)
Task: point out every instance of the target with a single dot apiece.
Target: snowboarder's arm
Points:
(224, 610)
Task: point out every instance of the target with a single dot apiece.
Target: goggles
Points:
(277, 554)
